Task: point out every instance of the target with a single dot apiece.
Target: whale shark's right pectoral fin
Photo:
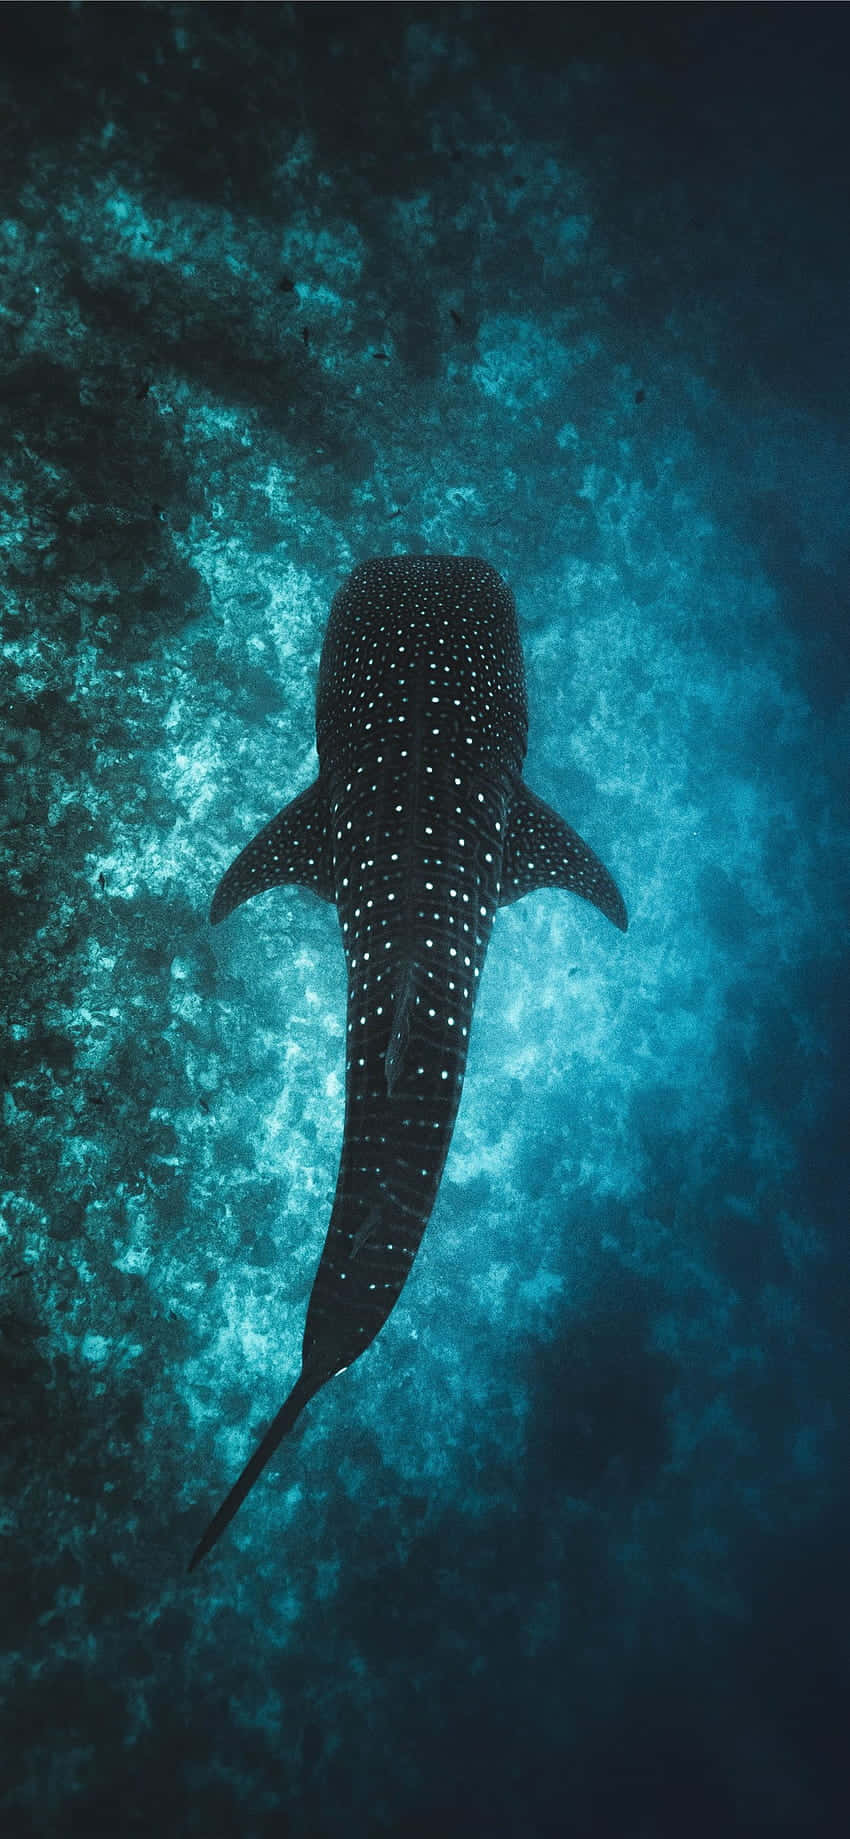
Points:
(541, 851)
(294, 847)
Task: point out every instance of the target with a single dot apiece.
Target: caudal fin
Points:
(301, 1393)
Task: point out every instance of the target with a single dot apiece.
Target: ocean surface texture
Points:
(563, 1554)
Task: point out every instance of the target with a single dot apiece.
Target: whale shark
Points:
(418, 828)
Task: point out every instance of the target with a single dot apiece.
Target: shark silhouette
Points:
(418, 827)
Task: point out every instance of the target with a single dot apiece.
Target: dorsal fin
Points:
(404, 1006)
(541, 851)
(294, 847)
(364, 1231)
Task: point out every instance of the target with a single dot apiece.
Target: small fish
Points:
(418, 827)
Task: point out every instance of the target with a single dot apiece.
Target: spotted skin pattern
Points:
(418, 828)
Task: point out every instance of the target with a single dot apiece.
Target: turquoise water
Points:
(565, 1552)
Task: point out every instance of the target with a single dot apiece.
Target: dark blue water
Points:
(282, 288)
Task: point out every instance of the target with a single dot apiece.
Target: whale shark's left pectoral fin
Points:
(294, 847)
(541, 851)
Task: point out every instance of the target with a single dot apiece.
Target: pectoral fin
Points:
(294, 847)
(541, 851)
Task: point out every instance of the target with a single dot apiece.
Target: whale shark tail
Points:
(305, 1388)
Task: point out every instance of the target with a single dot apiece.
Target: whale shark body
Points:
(418, 828)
